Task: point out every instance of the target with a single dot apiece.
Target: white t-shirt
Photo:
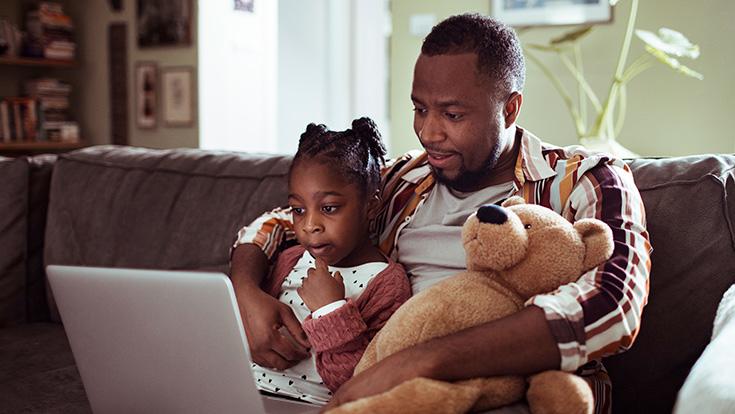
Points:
(430, 246)
(302, 381)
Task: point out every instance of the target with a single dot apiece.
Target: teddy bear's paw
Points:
(417, 396)
(497, 391)
(553, 392)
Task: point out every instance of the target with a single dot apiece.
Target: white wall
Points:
(332, 65)
(237, 76)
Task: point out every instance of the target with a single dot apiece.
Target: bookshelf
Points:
(47, 30)
(26, 61)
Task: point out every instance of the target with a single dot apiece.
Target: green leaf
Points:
(572, 36)
(669, 42)
(673, 63)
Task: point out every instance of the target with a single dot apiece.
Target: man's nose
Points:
(431, 130)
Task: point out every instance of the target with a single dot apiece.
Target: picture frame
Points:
(177, 91)
(164, 23)
(146, 95)
(524, 13)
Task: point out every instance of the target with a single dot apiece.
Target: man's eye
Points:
(419, 111)
(329, 209)
(297, 210)
(453, 116)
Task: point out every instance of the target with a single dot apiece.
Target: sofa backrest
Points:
(164, 209)
(690, 208)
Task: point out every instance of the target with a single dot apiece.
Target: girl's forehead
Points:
(311, 173)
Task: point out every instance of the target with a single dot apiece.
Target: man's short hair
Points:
(499, 53)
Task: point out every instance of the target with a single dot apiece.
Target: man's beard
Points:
(467, 180)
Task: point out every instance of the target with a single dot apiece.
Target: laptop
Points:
(153, 341)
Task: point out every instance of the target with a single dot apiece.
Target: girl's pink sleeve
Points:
(341, 336)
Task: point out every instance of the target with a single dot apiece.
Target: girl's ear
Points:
(374, 203)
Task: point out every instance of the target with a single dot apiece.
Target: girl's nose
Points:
(312, 224)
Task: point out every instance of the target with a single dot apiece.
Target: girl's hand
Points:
(320, 288)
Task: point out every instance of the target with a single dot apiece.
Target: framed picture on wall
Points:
(146, 91)
(177, 90)
(164, 22)
(551, 12)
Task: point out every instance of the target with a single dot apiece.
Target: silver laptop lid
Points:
(156, 341)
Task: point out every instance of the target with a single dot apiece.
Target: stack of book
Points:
(50, 33)
(52, 99)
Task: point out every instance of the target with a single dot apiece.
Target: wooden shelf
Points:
(40, 146)
(27, 61)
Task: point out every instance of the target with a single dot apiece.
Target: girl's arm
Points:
(340, 337)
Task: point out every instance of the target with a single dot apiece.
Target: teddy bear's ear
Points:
(513, 201)
(598, 241)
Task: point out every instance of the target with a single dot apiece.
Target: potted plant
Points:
(607, 116)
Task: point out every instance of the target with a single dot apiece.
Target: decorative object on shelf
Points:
(608, 115)
(164, 23)
(551, 12)
(244, 5)
(177, 90)
(116, 5)
(10, 39)
(117, 50)
(146, 91)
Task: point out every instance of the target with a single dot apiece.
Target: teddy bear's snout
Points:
(492, 214)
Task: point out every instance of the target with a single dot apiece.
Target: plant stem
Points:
(621, 111)
(580, 91)
(636, 68)
(562, 91)
(602, 119)
(581, 83)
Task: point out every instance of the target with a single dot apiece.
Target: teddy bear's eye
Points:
(526, 226)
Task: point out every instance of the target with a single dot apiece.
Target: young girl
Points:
(338, 284)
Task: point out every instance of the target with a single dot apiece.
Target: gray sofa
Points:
(180, 209)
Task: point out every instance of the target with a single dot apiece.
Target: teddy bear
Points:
(514, 251)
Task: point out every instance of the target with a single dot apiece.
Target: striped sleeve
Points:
(269, 231)
(600, 314)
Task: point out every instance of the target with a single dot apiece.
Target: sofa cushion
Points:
(13, 240)
(689, 203)
(163, 209)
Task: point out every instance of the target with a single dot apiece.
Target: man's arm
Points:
(262, 314)
(517, 344)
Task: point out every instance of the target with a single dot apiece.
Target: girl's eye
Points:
(329, 209)
(297, 210)
(527, 226)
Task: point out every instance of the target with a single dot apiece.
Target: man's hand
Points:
(263, 316)
(383, 376)
(320, 288)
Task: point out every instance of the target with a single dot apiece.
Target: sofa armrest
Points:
(13, 239)
(710, 386)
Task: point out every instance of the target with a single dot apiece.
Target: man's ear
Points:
(512, 108)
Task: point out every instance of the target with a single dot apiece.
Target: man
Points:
(467, 94)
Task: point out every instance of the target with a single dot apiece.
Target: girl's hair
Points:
(356, 153)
